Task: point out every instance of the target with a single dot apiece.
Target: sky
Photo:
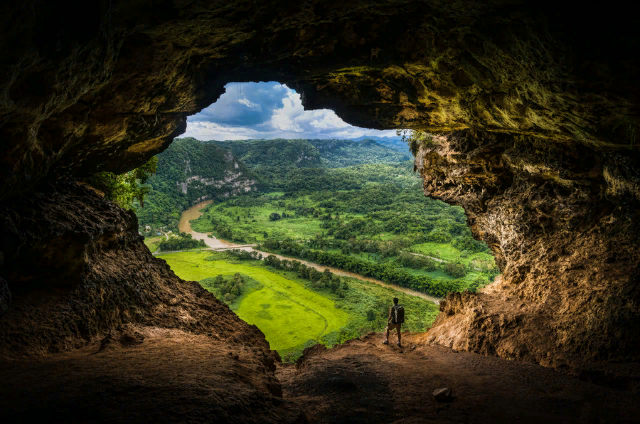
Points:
(268, 110)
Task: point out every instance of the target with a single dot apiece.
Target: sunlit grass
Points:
(152, 243)
(287, 313)
(450, 253)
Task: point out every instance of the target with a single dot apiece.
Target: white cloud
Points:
(285, 119)
(269, 110)
(248, 103)
(328, 120)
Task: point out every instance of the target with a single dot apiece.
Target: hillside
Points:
(341, 153)
(390, 142)
(189, 172)
(301, 153)
(277, 152)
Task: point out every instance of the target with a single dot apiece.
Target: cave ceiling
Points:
(103, 86)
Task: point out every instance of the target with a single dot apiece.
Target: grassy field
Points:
(152, 243)
(294, 314)
(451, 254)
(328, 221)
(253, 222)
(276, 307)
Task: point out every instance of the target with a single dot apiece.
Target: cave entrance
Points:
(335, 212)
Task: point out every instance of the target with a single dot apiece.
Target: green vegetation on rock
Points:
(189, 172)
(125, 189)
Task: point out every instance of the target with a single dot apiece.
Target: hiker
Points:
(395, 320)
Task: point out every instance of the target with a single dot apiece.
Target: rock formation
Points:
(562, 222)
(537, 107)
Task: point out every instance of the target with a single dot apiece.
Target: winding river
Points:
(217, 244)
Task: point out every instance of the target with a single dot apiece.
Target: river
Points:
(217, 244)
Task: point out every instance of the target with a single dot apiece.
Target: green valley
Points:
(353, 206)
(293, 312)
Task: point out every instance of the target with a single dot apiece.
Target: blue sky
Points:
(268, 110)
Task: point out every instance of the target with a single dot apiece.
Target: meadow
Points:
(294, 314)
(152, 243)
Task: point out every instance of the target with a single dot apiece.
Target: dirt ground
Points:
(365, 381)
(147, 375)
(160, 375)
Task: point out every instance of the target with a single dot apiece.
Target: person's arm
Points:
(389, 317)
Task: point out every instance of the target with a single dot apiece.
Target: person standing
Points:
(395, 320)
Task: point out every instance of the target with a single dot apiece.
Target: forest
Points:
(377, 224)
(191, 171)
(368, 218)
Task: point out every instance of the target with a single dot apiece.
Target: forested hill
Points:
(335, 153)
(391, 142)
(341, 153)
(190, 172)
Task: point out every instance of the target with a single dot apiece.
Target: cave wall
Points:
(78, 270)
(537, 103)
(562, 222)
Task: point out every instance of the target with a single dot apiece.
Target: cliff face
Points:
(79, 269)
(203, 171)
(562, 222)
(539, 102)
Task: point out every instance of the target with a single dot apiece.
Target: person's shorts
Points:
(391, 326)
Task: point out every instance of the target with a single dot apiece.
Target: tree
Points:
(345, 286)
(274, 216)
(335, 286)
(455, 270)
(327, 274)
(126, 188)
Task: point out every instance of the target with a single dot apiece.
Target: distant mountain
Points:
(391, 142)
(342, 153)
(301, 153)
(275, 152)
(191, 171)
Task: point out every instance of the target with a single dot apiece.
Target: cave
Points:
(534, 107)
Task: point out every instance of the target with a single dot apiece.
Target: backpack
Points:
(397, 315)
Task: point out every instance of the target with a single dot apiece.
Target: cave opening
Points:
(256, 176)
(534, 108)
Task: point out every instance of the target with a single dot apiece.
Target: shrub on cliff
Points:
(125, 188)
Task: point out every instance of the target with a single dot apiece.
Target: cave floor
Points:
(169, 376)
(173, 376)
(365, 381)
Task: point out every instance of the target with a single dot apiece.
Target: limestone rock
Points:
(111, 92)
(565, 235)
(443, 394)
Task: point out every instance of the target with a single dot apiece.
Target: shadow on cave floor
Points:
(364, 381)
(172, 376)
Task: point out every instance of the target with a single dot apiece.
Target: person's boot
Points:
(385, 341)
(398, 343)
